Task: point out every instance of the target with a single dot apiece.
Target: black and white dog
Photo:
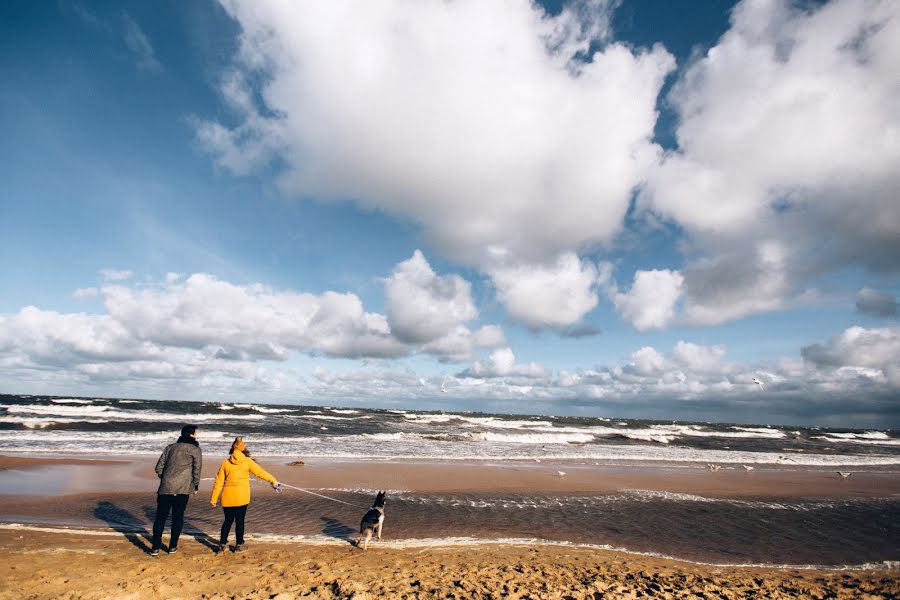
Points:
(372, 522)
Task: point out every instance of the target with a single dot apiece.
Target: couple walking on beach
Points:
(178, 469)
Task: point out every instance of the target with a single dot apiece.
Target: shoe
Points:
(238, 548)
(172, 549)
(154, 552)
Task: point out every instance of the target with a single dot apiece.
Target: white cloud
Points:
(489, 336)
(697, 358)
(506, 143)
(647, 361)
(548, 295)
(502, 363)
(651, 301)
(421, 306)
(877, 349)
(83, 293)
(137, 42)
(787, 128)
(255, 319)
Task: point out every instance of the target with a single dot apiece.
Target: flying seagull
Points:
(443, 384)
(844, 474)
(747, 467)
(761, 385)
(713, 467)
(562, 473)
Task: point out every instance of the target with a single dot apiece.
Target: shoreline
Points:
(135, 472)
(455, 543)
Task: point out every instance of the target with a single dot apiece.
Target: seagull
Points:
(761, 385)
(713, 467)
(844, 474)
(747, 468)
(562, 473)
(444, 383)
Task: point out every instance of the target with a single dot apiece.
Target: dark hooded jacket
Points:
(179, 467)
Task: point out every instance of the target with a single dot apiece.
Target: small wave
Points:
(71, 401)
(870, 438)
(109, 413)
(344, 411)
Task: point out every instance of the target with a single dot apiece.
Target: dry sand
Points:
(36, 564)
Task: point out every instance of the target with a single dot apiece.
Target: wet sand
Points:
(135, 473)
(108, 559)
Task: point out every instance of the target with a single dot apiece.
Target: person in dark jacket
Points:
(178, 469)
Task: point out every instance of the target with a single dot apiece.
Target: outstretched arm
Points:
(261, 473)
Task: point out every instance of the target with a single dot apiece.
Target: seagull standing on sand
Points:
(562, 473)
(844, 474)
(761, 385)
(747, 468)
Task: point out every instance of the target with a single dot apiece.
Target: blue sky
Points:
(609, 208)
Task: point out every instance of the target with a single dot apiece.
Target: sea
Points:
(815, 531)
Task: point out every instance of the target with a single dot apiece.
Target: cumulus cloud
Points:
(502, 363)
(651, 301)
(858, 347)
(83, 293)
(421, 306)
(204, 310)
(787, 128)
(200, 326)
(874, 303)
(517, 142)
(553, 295)
(698, 358)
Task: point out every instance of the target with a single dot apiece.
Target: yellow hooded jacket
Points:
(233, 480)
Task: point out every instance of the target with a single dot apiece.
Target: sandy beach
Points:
(47, 551)
(40, 564)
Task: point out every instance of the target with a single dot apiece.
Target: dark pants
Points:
(233, 514)
(165, 503)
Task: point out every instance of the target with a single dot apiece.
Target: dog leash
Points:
(281, 485)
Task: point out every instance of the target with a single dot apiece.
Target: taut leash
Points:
(281, 485)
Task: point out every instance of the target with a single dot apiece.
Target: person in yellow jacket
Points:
(233, 482)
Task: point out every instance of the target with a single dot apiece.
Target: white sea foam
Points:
(109, 413)
(538, 438)
(71, 401)
(323, 417)
(872, 438)
(344, 411)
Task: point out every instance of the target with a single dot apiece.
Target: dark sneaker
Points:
(173, 549)
(154, 552)
(238, 548)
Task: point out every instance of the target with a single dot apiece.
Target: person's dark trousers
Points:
(233, 514)
(164, 504)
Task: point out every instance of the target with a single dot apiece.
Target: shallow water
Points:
(773, 531)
